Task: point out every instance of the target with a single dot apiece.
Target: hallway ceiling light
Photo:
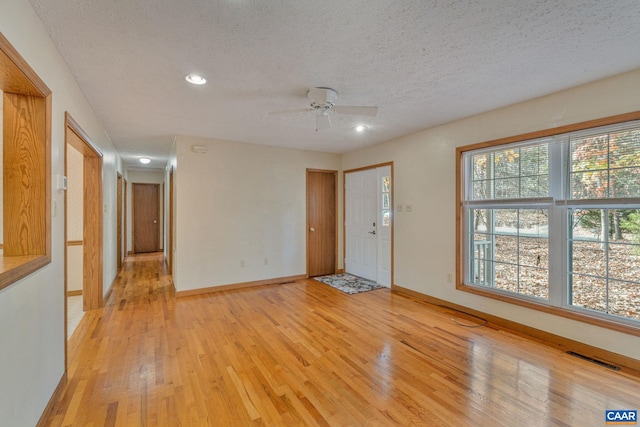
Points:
(195, 79)
(145, 160)
(360, 128)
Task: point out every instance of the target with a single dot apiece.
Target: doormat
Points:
(348, 284)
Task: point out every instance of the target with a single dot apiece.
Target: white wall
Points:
(424, 170)
(32, 310)
(143, 177)
(241, 202)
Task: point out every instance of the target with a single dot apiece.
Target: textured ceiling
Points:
(423, 63)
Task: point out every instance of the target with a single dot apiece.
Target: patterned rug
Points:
(348, 284)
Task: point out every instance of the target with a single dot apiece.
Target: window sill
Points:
(557, 311)
(14, 268)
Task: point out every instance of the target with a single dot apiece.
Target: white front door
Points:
(361, 222)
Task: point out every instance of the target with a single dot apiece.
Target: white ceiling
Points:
(423, 63)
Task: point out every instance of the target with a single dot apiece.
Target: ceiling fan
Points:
(323, 100)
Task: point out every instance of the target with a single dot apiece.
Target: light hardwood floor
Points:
(305, 354)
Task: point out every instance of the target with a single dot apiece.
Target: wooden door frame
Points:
(344, 212)
(170, 223)
(133, 211)
(92, 262)
(306, 231)
(126, 240)
(119, 192)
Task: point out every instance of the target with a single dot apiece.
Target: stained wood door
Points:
(146, 213)
(321, 222)
(361, 223)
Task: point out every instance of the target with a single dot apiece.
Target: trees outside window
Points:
(554, 220)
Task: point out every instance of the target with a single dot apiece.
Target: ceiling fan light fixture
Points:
(195, 79)
(144, 160)
(360, 128)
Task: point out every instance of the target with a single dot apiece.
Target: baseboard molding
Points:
(627, 365)
(74, 293)
(57, 394)
(274, 281)
(340, 271)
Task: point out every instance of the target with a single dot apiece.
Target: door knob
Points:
(155, 222)
(373, 232)
(312, 229)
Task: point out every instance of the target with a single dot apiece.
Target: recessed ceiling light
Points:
(195, 79)
(145, 160)
(360, 128)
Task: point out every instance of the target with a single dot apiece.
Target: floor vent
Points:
(592, 360)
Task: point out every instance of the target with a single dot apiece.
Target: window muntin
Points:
(582, 251)
(510, 250)
(605, 165)
(386, 200)
(511, 173)
(604, 270)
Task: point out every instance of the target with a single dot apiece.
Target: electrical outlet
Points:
(266, 261)
(241, 263)
(450, 278)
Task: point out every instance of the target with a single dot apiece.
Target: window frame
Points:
(562, 308)
(27, 196)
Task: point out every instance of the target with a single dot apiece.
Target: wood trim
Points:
(627, 365)
(14, 268)
(75, 242)
(620, 118)
(26, 148)
(24, 172)
(364, 168)
(92, 281)
(16, 76)
(74, 293)
(56, 396)
(92, 232)
(124, 210)
(557, 311)
(86, 147)
(275, 281)
(119, 183)
(170, 222)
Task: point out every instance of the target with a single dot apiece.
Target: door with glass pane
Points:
(368, 210)
(385, 202)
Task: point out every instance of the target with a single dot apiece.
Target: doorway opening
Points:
(90, 218)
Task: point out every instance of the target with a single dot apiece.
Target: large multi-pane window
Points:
(556, 220)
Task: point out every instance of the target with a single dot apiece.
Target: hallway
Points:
(305, 354)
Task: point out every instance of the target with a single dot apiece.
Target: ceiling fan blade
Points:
(359, 111)
(298, 110)
(323, 120)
